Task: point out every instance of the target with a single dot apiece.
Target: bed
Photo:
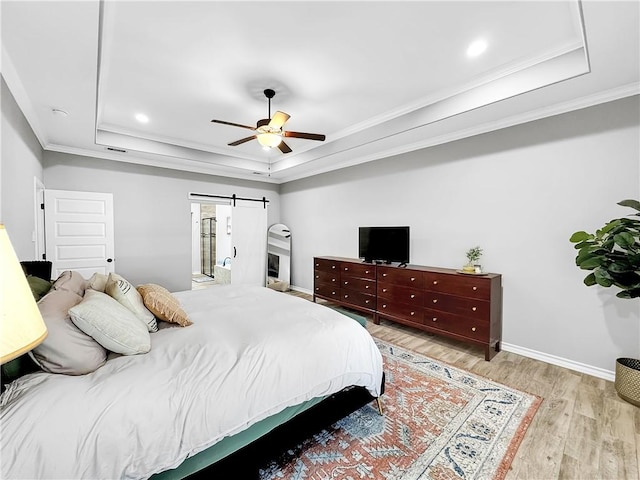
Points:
(252, 360)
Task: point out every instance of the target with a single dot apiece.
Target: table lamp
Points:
(21, 325)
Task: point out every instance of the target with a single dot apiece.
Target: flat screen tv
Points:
(384, 244)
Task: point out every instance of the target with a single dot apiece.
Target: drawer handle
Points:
(317, 289)
(333, 279)
(317, 264)
(346, 296)
(413, 279)
(413, 296)
(475, 288)
(346, 283)
(317, 276)
(346, 269)
(333, 266)
(366, 271)
(333, 293)
(367, 301)
(384, 306)
(366, 286)
(413, 313)
(435, 300)
(384, 289)
(434, 319)
(384, 274)
(473, 329)
(435, 282)
(473, 309)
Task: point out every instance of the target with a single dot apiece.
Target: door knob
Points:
(109, 260)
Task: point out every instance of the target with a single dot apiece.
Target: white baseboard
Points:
(300, 289)
(560, 361)
(536, 355)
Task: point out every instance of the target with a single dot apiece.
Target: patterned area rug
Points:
(439, 423)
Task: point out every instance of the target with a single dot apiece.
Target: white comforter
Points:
(250, 353)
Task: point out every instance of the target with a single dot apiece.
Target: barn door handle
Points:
(109, 260)
(234, 252)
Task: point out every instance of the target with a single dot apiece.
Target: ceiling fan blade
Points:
(279, 119)
(233, 124)
(284, 148)
(241, 141)
(308, 136)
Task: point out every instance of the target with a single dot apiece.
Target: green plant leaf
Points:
(603, 278)
(635, 204)
(580, 237)
(624, 240)
(620, 267)
(590, 263)
(590, 280)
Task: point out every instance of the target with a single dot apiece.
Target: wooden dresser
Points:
(438, 300)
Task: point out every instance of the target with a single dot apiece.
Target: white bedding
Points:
(250, 353)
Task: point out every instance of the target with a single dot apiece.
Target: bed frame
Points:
(241, 455)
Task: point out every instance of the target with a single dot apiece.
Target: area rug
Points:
(439, 423)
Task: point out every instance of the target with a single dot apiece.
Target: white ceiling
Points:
(378, 78)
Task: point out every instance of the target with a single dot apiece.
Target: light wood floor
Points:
(582, 429)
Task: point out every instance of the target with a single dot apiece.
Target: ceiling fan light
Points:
(269, 140)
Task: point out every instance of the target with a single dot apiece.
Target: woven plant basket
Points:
(628, 380)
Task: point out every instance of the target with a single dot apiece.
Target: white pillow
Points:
(126, 294)
(110, 324)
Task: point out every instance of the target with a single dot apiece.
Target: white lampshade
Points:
(269, 139)
(21, 326)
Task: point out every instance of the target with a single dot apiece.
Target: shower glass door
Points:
(208, 245)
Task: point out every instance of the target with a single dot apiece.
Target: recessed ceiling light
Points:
(476, 48)
(142, 118)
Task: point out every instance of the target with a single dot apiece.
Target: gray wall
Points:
(152, 211)
(519, 193)
(20, 163)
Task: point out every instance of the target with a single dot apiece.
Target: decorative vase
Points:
(469, 268)
(627, 380)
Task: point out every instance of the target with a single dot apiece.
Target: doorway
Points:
(223, 253)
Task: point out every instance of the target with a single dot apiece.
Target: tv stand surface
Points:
(438, 300)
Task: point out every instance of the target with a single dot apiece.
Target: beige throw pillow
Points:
(98, 282)
(71, 282)
(163, 305)
(112, 325)
(66, 349)
(126, 294)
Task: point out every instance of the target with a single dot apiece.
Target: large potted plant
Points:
(612, 254)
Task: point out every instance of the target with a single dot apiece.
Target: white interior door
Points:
(79, 232)
(249, 238)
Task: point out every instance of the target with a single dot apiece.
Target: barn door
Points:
(79, 232)
(249, 239)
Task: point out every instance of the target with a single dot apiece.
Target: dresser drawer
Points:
(401, 310)
(325, 265)
(399, 276)
(469, 307)
(410, 296)
(460, 284)
(361, 270)
(467, 327)
(327, 291)
(358, 284)
(332, 278)
(358, 299)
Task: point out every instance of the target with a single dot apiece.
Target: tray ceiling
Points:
(378, 78)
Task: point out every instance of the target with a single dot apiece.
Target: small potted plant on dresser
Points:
(473, 257)
(612, 254)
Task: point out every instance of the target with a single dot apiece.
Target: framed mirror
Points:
(279, 257)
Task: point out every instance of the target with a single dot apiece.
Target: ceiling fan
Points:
(269, 132)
